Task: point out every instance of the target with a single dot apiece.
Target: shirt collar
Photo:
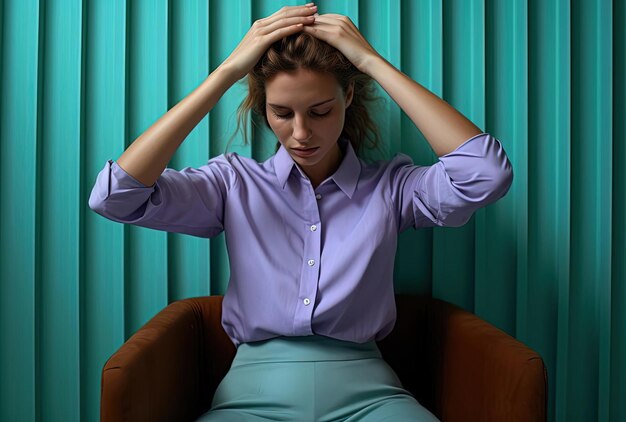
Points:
(346, 176)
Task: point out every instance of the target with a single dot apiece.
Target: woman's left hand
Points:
(339, 31)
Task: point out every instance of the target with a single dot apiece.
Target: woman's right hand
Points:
(263, 33)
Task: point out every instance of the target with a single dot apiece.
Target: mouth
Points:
(304, 152)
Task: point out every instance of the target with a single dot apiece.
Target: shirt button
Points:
(318, 196)
(311, 262)
(313, 227)
(306, 301)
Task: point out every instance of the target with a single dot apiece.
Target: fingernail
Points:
(309, 4)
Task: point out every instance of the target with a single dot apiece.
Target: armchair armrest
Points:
(155, 375)
(484, 373)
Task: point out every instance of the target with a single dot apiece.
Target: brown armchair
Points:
(458, 366)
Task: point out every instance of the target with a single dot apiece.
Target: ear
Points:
(349, 94)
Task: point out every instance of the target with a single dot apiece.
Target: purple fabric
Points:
(305, 261)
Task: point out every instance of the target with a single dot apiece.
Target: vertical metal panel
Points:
(603, 129)
(617, 405)
(60, 214)
(20, 191)
(548, 185)
(591, 210)
(80, 81)
(560, 28)
(104, 133)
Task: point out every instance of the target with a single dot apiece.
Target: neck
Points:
(318, 176)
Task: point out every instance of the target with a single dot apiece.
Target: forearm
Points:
(146, 158)
(442, 125)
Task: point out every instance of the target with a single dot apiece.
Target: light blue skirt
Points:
(313, 378)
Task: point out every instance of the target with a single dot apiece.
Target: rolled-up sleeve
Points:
(447, 193)
(189, 201)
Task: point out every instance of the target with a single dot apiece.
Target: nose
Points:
(301, 129)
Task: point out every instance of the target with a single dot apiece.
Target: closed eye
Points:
(285, 116)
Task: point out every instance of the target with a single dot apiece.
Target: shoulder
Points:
(245, 168)
(233, 161)
(395, 177)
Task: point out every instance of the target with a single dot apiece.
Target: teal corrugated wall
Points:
(80, 80)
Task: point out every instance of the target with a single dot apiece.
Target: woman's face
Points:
(306, 109)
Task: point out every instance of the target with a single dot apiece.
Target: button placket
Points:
(309, 278)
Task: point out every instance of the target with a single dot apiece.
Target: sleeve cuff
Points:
(124, 179)
(465, 144)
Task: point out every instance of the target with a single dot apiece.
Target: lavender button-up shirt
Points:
(307, 261)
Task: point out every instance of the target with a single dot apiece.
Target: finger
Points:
(286, 22)
(332, 16)
(336, 24)
(337, 19)
(335, 15)
(283, 32)
(329, 27)
(325, 19)
(333, 20)
(288, 11)
(321, 31)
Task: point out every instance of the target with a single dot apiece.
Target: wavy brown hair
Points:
(302, 50)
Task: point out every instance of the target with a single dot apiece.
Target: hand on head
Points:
(337, 30)
(264, 32)
(340, 32)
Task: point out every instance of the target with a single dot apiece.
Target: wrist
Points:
(226, 73)
(373, 64)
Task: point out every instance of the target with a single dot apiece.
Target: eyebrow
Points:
(314, 105)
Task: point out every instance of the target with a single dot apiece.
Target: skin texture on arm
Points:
(442, 125)
(146, 158)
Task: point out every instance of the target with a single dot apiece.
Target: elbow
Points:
(496, 172)
(117, 197)
(101, 206)
(503, 179)
(96, 202)
(496, 182)
(486, 185)
(123, 208)
(100, 202)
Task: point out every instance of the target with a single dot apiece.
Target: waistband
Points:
(303, 348)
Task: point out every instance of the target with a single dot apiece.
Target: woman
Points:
(311, 231)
